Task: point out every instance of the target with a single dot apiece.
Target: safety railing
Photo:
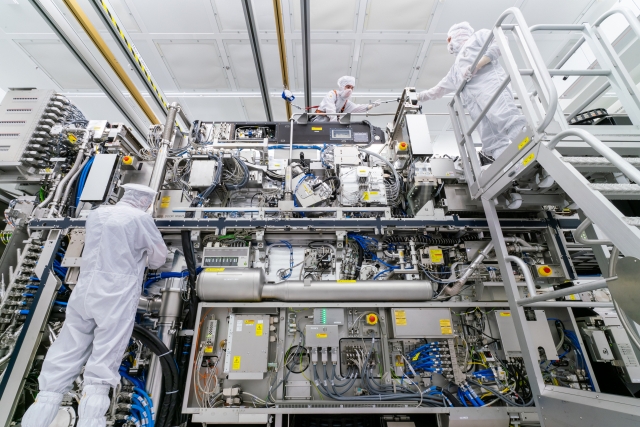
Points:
(538, 70)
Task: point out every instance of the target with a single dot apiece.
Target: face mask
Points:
(346, 93)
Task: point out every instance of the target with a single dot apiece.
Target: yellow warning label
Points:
(72, 138)
(214, 269)
(164, 202)
(400, 314)
(368, 194)
(524, 143)
(401, 322)
(446, 330)
(249, 322)
(208, 349)
(399, 364)
(416, 356)
(573, 297)
(315, 128)
(345, 281)
(236, 363)
(528, 159)
(321, 335)
(445, 322)
(259, 327)
(435, 255)
(505, 314)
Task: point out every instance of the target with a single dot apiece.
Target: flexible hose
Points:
(245, 177)
(65, 180)
(73, 178)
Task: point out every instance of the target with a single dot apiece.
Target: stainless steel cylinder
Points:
(157, 175)
(231, 284)
(361, 290)
(171, 307)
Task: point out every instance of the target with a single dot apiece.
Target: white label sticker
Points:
(239, 326)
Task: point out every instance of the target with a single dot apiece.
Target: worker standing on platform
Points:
(101, 311)
(337, 101)
(504, 121)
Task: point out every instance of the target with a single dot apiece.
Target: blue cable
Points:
(295, 147)
(146, 396)
(62, 303)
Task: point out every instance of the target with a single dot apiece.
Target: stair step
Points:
(597, 164)
(618, 191)
(632, 220)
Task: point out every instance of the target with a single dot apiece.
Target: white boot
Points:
(93, 406)
(43, 411)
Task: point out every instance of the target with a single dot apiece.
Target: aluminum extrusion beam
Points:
(63, 29)
(305, 7)
(119, 33)
(257, 57)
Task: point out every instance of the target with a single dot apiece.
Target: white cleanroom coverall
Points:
(337, 101)
(101, 310)
(503, 121)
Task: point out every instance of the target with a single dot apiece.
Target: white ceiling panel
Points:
(392, 74)
(242, 64)
(399, 15)
(330, 59)
(21, 18)
(254, 109)
(125, 16)
(230, 15)
(216, 109)
(170, 16)
(480, 14)
(327, 15)
(194, 64)
(564, 12)
(23, 72)
(98, 107)
(435, 66)
(59, 64)
(271, 60)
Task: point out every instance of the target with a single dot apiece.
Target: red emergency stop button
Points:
(545, 270)
(127, 160)
(372, 319)
(403, 146)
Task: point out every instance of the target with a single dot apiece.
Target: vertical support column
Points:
(157, 175)
(257, 57)
(529, 350)
(282, 50)
(306, 49)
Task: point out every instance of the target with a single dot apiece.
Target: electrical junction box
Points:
(421, 323)
(419, 137)
(328, 316)
(322, 336)
(346, 155)
(170, 200)
(442, 168)
(502, 326)
(202, 173)
(362, 184)
(247, 347)
(626, 359)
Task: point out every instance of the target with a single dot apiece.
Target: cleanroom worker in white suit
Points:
(503, 121)
(120, 240)
(337, 101)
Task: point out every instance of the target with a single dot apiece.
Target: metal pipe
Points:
(361, 290)
(591, 286)
(288, 193)
(555, 27)
(65, 180)
(525, 270)
(282, 50)
(577, 235)
(157, 175)
(453, 290)
(602, 89)
(252, 31)
(291, 141)
(569, 54)
(73, 178)
(306, 49)
(630, 171)
(46, 201)
(579, 72)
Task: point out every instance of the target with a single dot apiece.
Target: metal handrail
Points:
(528, 279)
(633, 20)
(541, 67)
(618, 161)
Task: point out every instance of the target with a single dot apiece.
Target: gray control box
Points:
(421, 322)
(328, 316)
(247, 347)
(322, 336)
(538, 326)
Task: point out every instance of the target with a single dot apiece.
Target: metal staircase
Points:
(533, 162)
